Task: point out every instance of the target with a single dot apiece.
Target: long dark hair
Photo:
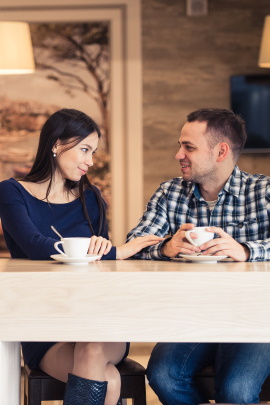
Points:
(70, 127)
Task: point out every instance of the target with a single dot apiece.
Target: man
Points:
(212, 192)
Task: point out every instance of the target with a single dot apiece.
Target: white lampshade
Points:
(16, 52)
(264, 58)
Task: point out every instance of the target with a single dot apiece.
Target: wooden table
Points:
(131, 300)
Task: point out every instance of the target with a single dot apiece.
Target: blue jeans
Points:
(240, 370)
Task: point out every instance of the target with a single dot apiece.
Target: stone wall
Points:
(187, 64)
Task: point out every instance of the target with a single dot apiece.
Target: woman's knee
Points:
(113, 377)
(89, 351)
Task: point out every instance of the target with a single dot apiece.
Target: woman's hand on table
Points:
(136, 245)
(99, 245)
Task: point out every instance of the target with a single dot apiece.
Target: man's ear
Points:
(223, 151)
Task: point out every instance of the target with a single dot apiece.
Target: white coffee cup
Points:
(203, 235)
(73, 247)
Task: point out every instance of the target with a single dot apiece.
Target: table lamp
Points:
(16, 52)
(264, 58)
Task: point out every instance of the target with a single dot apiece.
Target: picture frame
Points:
(126, 91)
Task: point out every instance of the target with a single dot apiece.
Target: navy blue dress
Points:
(26, 223)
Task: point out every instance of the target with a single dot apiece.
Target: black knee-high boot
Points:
(80, 391)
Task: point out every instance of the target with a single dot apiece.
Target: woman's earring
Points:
(54, 154)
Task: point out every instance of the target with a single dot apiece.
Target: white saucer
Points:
(75, 260)
(199, 258)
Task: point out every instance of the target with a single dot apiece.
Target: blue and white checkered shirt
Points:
(242, 210)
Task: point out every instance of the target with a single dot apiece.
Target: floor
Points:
(139, 352)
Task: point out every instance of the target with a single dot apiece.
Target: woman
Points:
(57, 192)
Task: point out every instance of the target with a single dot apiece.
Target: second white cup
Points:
(203, 235)
(73, 247)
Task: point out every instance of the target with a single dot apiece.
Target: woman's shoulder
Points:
(9, 184)
(11, 191)
(14, 189)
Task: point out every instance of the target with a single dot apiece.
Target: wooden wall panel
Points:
(187, 62)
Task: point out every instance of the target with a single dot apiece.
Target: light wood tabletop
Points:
(134, 300)
(131, 300)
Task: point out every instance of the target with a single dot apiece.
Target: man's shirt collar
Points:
(232, 185)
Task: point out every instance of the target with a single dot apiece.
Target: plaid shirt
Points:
(242, 210)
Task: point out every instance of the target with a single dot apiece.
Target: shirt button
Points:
(240, 225)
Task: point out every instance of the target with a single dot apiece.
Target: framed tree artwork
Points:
(87, 57)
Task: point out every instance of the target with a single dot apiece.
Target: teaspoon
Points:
(53, 228)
